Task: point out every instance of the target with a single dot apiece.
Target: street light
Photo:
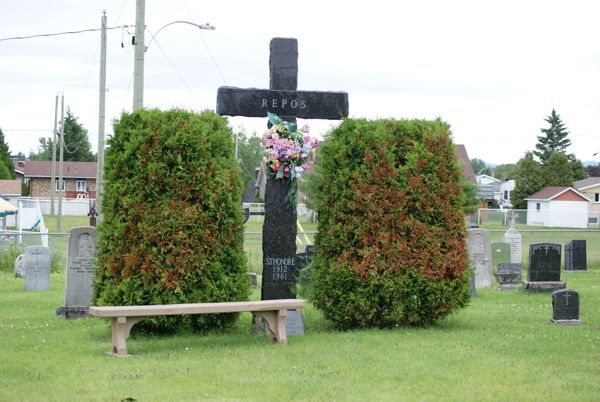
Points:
(140, 49)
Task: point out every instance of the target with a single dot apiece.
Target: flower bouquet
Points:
(289, 152)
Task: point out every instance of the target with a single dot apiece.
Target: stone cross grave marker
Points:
(37, 268)
(81, 269)
(478, 245)
(565, 307)
(576, 255)
(284, 100)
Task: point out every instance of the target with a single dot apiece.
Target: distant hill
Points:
(590, 163)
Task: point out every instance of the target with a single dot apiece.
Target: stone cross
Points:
(284, 100)
(37, 253)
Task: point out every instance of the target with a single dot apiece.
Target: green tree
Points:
(557, 171)
(593, 171)
(250, 154)
(553, 140)
(505, 171)
(172, 230)
(77, 145)
(7, 170)
(577, 168)
(480, 167)
(529, 178)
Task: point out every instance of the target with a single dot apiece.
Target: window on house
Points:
(597, 197)
(538, 206)
(81, 186)
(57, 185)
(506, 194)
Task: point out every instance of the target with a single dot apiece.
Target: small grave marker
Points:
(576, 255)
(543, 272)
(565, 307)
(37, 268)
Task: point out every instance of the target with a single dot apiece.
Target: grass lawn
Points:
(501, 347)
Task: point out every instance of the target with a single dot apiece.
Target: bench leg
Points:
(275, 324)
(121, 326)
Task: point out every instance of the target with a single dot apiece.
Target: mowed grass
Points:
(501, 347)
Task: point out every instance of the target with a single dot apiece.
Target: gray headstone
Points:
(478, 245)
(37, 268)
(500, 253)
(513, 238)
(81, 269)
(565, 306)
(20, 266)
(576, 255)
(294, 323)
(544, 262)
(253, 279)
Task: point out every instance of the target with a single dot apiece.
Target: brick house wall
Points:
(41, 187)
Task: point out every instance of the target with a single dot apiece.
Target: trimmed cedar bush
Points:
(172, 228)
(391, 243)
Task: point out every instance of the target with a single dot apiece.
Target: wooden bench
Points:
(123, 318)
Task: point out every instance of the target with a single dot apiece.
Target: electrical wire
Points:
(206, 45)
(170, 61)
(59, 33)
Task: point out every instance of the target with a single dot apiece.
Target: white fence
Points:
(487, 216)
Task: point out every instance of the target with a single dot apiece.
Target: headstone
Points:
(478, 245)
(283, 99)
(20, 266)
(565, 307)
(253, 279)
(37, 268)
(500, 253)
(81, 269)
(508, 275)
(513, 238)
(543, 272)
(576, 255)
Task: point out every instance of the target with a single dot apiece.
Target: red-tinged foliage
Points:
(390, 247)
(172, 221)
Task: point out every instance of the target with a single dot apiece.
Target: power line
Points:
(59, 33)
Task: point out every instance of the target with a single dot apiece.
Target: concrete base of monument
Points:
(575, 270)
(549, 286)
(508, 286)
(294, 323)
(72, 312)
(567, 322)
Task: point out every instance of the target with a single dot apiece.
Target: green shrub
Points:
(172, 226)
(8, 257)
(391, 241)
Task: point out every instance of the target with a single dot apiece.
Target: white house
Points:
(557, 207)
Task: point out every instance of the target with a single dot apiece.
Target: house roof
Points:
(550, 193)
(461, 152)
(10, 187)
(81, 170)
(587, 183)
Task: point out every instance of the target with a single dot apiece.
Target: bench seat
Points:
(123, 318)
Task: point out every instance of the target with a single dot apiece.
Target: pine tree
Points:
(554, 139)
(557, 171)
(77, 144)
(529, 178)
(7, 170)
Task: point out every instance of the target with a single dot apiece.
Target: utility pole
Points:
(53, 180)
(61, 181)
(101, 120)
(138, 66)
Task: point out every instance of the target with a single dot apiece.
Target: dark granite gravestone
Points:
(543, 272)
(81, 268)
(576, 255)
(565, 307)
(508, 275)
(280, 265)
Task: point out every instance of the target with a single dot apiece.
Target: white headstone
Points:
(480, 256)
(513, 238)
(20, 266)
(37, 268)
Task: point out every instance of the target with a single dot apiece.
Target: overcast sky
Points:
(492, 70)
